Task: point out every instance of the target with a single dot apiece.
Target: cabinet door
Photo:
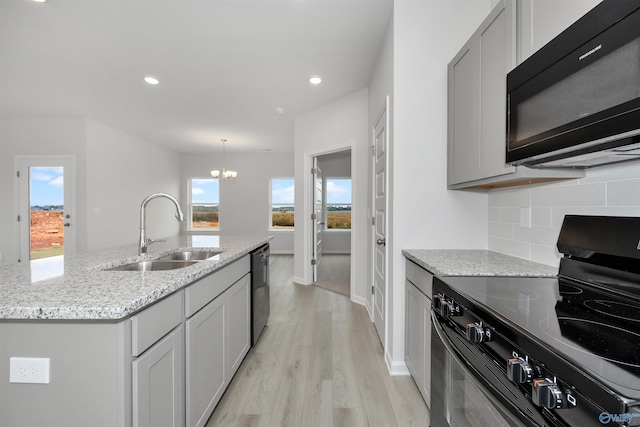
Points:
(158, 383)
(497, 58)
(205, 344)
(238, 314)
(477, 99)
(415, 334)
(463, 114)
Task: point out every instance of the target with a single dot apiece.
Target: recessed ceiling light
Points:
(279, 110)
(40, 1)
(315, 80)
(151, 80)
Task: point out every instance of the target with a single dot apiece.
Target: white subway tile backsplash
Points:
(494, 214)
(541, 216)
(502, 230)
(623, 193)
(558, 214)
(509, 247)
(510, 215)
(510, 197)
(545, 255)
(574, 195)
(610, 190)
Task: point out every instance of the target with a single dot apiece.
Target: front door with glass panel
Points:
(45, 213)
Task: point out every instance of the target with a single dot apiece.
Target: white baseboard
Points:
(398, 368)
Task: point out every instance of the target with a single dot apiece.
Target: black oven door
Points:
(459, 395)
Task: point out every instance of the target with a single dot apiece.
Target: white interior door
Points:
(45, 207)
(317, 219)
(380, 147)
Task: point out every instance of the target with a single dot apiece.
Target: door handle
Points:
(382, 242)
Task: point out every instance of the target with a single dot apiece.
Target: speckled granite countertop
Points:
(476, 262)
(77, 287)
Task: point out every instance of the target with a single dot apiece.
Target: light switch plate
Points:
(29, 370)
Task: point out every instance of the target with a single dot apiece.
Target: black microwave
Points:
(576, 101)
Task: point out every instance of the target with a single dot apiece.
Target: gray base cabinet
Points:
(167, 365)
(217, 340)
(205, 361)
(157, 383)
(418, 286)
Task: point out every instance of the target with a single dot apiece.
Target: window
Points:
(282, 202)
(338, 197)
(204, 204)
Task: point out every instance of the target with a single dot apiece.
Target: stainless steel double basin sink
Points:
(168, 262)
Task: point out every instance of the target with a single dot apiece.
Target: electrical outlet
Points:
(525, 217)
(29, 370)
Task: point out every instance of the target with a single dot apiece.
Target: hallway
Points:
(318, 363)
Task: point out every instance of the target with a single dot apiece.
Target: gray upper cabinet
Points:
(476, 111)
(476, 92)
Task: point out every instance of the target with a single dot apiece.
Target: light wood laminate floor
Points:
(319, 362)
(335, 273)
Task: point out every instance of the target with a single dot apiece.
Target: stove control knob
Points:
(437, 300)
(446, 308)
(547, 394)
(475, 332)
(519, 371)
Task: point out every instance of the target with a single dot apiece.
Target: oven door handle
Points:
(486, 389)
(444, 339)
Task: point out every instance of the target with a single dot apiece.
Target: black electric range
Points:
(549, 351)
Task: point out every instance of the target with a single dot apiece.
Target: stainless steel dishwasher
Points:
(260, 299)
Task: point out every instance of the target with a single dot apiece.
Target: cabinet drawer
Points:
(421, 278)
(151, 324)
(209, 287)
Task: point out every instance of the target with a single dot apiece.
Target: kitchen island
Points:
(123, 348)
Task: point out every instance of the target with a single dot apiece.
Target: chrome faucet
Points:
(144, 242)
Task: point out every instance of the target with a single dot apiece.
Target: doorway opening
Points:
(45, 193)
(332, 208)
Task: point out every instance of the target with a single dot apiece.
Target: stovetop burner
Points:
(570, 344)
(584, 324)
(567, 289)
(615, 309)
(608, 342)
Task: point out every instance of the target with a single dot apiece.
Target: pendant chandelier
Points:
(224, 173)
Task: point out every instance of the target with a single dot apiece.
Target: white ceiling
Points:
(223, 65)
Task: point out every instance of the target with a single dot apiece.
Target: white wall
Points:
(609, 190)
(424, 213)
(38, 136)
(334, 127)
(121, 171)
(114, 172)
(244, 202)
